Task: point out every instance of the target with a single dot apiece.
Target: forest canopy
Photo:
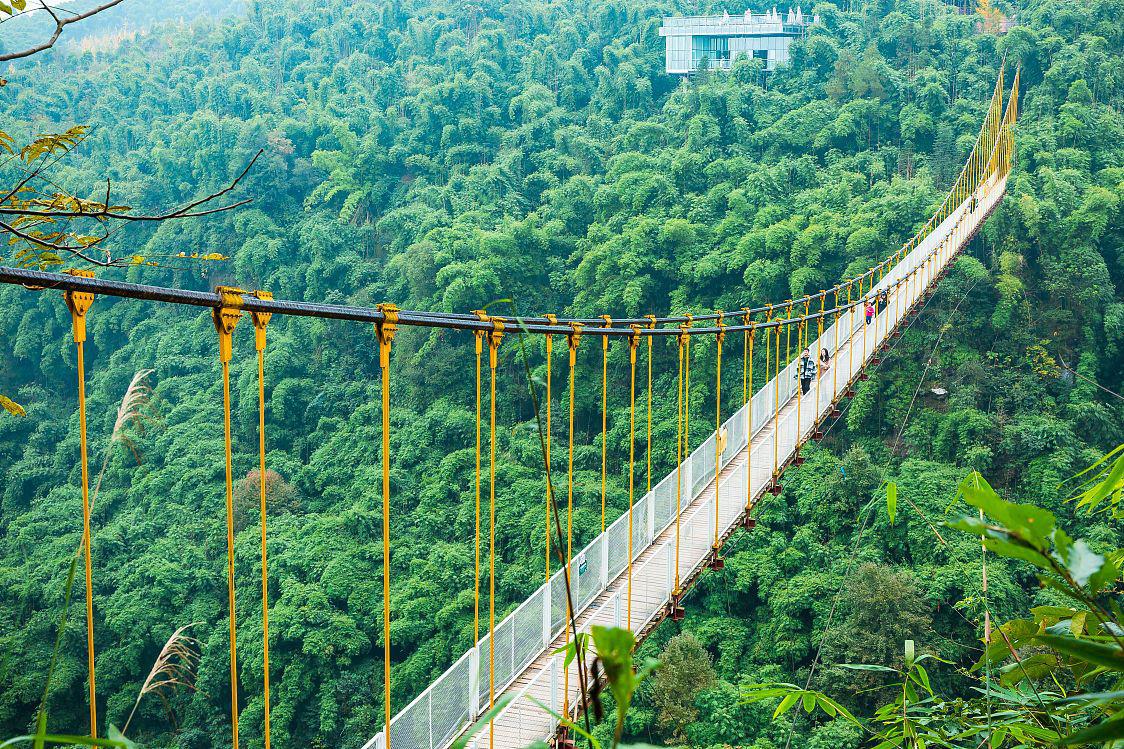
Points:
(446, 156)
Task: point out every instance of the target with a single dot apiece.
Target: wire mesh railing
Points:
(525, 636)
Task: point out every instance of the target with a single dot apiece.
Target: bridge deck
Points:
(527, 670)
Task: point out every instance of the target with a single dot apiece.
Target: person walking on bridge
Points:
(806, 371)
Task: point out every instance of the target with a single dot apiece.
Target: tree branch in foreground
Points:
(60, 24)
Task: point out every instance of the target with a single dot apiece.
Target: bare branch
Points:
(60, 24)
(76, 250)
(183, 211)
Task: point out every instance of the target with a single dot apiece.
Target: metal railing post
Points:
(547, 615)
(604, 563)
(474, 682)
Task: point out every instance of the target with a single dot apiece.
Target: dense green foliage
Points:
(444, 156)
(1050, 678)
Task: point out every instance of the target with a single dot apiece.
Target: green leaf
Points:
(1032, 524)
(1014, 550)
(5, 9)
(809, 701)
(572, 648)
(1113, 481)
(922, 678)
(826, 706)
(614, 649)
(1107, 731)
(1098, 698)
(1108, 574)
(1109, 656)
(785, 705)
(1032, 667)
(867, 667)
(840, 709)
(892, 501)
(116, 735)
(1059, 612)
(1082, 562)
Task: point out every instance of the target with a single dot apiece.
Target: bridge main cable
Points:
(41, 280)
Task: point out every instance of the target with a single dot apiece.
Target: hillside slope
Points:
(445, 156)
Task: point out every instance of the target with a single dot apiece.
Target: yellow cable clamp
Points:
(79, 303)
(226, 317)
(572, 339)
(495, 337)
(385, 330)
(261, 319)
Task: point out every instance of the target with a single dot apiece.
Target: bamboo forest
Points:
(543, 374)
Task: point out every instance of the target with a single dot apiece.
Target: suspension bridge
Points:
(636, 571)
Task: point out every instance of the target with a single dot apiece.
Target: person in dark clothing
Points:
(806, 371)
(825, 360)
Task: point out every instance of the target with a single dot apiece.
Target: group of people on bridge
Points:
(806, 369)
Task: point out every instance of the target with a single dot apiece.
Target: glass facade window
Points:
(715, 42)
(714, 49)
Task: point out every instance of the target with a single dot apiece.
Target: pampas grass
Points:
(133, 416)
(174, 668)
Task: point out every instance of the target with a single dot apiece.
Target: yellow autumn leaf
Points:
(11, 406)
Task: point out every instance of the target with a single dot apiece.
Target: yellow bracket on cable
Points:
(226, 317)
(385, 331)
(261, 319)
(79, 303)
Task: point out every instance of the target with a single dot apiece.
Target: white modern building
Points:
(720, 39)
